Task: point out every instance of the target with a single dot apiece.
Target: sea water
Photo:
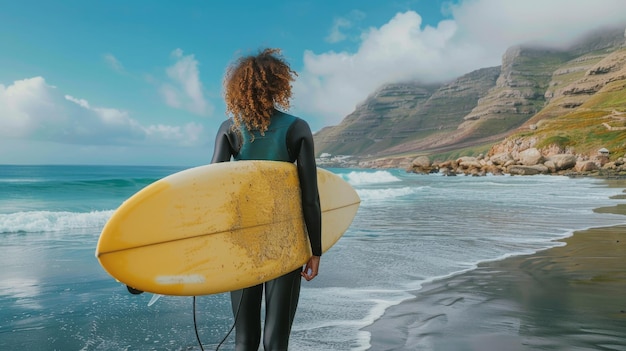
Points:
(410, 229)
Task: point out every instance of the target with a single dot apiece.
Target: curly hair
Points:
(254, 86)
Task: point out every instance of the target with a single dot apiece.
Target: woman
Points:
(255, 88)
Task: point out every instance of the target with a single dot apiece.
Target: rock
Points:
(530, 157)
(421, 162)
(586, 166)
(446, 171)
(528, 170)
(551, 166)
(509, 163)
(501, 159)
(467, 162)
(563, 161)
(495, 170)
(444, 164)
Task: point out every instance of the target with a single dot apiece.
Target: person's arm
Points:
(224, 145)
(300, 142)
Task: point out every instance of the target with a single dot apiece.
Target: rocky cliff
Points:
(516, 103)
(402, 116)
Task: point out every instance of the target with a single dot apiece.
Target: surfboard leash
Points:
(195, 324)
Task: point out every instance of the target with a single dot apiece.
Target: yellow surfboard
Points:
(219, 228)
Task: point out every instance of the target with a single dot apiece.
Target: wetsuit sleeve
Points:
(225, 143)
(300, 144)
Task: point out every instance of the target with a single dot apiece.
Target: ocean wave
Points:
(39, 184)
(385, 194)
(48, 221)
(362, 178)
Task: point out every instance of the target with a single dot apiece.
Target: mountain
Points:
(548, 97)
(397, 116)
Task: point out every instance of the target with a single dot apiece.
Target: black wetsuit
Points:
(287, 139)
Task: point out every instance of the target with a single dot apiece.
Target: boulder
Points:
(610, 166)
(530, 157)
(444, 164)
(447, 171)
(501, 159)
(586, 166)
(563, 161)
(528, 170)
(551, 166)
(422, 162)
(467, 162)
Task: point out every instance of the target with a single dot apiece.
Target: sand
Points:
(571, 298)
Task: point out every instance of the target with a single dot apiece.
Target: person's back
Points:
(254, 87)
(271, 145)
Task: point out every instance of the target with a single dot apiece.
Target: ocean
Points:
(410, 229)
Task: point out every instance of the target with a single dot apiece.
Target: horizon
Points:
(123, 84)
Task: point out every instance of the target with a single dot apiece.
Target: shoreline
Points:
(562, 298)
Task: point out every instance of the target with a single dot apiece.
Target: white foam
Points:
(361, 178)
(385, 194)
(345, 314)
(49, 221)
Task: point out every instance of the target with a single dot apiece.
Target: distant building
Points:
(603, 152)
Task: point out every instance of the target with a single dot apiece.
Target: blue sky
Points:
(140, 82)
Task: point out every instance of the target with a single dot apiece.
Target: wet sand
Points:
(571, 298)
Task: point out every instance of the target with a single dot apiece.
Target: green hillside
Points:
(600, 122)
(562, 100)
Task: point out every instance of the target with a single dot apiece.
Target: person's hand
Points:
(311, 269)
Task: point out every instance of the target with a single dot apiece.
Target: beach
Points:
(429, 263)
(571, 297)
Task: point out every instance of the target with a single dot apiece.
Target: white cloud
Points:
(336, 35)
(108, 116)
(190, 134)
(113, 62)
(343, 24)
(81, 102)
(119, 126)
(30, 109)
(185, 91)
(333, 83)
(26, 107)
(478, 33)
(506, 23)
